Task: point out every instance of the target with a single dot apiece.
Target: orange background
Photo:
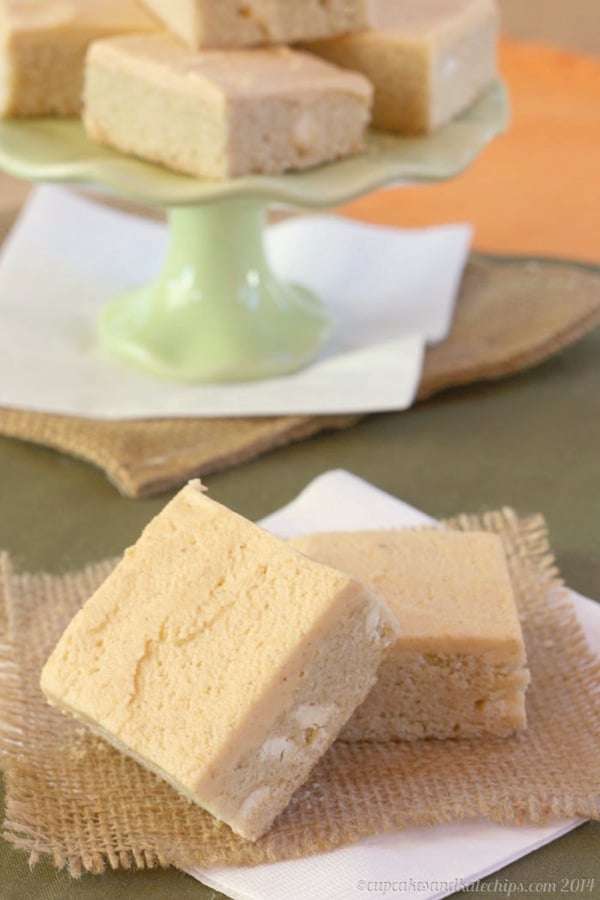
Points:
(536, 190)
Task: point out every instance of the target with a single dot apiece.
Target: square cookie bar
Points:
(458, 668)
(233, 23)
(220, 113)
(221, 659)
(428, 60)
(43, 46)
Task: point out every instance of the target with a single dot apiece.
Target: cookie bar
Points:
(428, 60)
(220, 658)
(221, 114)
(459, 667)
(232, 23)
(43, 46)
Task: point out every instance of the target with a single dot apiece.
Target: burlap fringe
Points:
(88, 807)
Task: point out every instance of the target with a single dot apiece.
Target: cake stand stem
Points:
(217, 312)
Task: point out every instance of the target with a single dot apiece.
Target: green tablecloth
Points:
(531, 442)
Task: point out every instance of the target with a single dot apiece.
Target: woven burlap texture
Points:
(73, 797)
(510, 316)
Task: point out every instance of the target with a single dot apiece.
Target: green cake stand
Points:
(217, 312)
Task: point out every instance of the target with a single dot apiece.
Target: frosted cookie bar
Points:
(428, 59)
(220, 113)
(43, 46)
(220, 658)
(458, 668)
(231, 23)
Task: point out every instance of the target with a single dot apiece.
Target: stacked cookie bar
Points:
(212, 88)
(43, 45)
(231, 23)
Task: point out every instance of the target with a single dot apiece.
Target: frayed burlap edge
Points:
(75, 799)
(145, 457)
(510, 316)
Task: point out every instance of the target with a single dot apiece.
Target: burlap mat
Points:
(73, 797)
(510, 316)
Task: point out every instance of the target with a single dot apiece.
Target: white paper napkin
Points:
(389, 292)
(423, 863)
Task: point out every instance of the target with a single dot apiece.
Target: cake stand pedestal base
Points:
(217, 311)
